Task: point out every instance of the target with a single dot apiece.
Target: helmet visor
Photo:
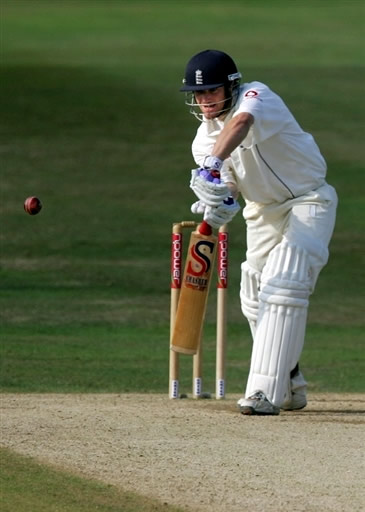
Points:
(187, 87)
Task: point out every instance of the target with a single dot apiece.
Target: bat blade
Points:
(194, 292)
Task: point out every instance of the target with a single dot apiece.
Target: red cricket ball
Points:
(32, 205)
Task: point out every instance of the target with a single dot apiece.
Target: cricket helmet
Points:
(210, 69)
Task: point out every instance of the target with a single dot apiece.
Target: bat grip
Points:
(205, 228)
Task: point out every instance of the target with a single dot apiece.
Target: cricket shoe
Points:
(297, 398)
(257, 404)
(297, 401)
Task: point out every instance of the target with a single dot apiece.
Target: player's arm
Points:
(232, 135)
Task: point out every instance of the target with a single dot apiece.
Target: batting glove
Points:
(198, 207)
(208, 187)
(222, 214)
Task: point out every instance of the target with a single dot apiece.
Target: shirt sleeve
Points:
(269, 112)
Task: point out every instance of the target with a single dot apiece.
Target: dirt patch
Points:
(202, 455)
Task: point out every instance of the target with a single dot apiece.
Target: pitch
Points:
(201, 455)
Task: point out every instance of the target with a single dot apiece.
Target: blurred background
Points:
(93, 123)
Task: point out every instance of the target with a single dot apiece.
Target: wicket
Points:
(222, 283)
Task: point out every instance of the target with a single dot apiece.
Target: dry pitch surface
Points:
(202, 455)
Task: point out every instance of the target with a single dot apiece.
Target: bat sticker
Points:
(197, 272)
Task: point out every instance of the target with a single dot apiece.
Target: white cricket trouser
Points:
(306, 222)
(287, 246)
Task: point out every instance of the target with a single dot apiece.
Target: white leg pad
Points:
(281, 323)
(249, 294)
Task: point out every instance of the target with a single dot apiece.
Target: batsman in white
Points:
(249, 135)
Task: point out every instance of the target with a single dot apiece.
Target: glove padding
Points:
(198, 207)
(217, 216)
(222, 214)
(207, 188)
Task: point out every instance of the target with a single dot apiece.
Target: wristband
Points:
(213, 162)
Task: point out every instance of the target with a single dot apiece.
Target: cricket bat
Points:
(194, 291)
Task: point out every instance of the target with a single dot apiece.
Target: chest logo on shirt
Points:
(251, 94)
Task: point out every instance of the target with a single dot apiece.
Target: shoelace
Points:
(258, 396)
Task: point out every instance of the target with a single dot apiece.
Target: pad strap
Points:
(249, 294)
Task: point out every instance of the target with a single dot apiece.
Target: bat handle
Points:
(205, 228)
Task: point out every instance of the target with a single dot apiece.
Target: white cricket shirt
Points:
(277, 160)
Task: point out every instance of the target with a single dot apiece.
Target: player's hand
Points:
(208, 187)
(217, 216)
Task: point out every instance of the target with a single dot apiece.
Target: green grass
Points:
(92, 122)
(28, 486)
(102, 359)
